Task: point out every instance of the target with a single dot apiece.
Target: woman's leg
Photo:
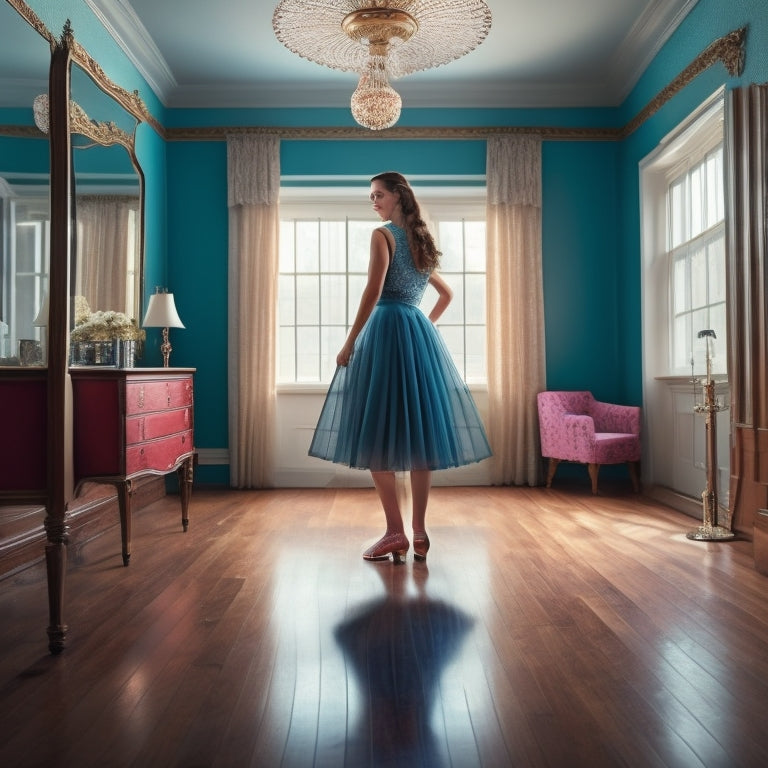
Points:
(394, 542)
(421, 483)
(386, 486)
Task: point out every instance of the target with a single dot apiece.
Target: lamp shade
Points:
(161, 312)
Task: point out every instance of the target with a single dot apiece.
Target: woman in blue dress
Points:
(397, 402)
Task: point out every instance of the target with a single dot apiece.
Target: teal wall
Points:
(591, 225)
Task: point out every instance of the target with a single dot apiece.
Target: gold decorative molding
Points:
(105, 134)
(130, 101)
(398, 132)
(22, 131)
(728, 49)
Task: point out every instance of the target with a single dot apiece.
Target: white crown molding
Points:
(646, 38)
(125, 27)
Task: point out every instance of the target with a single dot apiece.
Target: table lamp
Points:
(161, 313)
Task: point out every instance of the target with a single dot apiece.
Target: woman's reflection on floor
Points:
(398, 647)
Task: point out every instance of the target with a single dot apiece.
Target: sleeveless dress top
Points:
(400, 404)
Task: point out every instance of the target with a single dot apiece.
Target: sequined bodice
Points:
(403, 282)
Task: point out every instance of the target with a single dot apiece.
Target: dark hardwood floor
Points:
(547, 628)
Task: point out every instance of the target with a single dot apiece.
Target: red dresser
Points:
(130, 422)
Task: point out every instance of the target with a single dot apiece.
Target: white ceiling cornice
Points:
(122, 23)
(646, 38)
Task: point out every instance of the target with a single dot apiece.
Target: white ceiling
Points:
(539, 53)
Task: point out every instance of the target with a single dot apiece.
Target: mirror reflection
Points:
(24, 192)
(107, 259)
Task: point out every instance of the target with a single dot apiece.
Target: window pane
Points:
(680, 300)
(333, 291)
(716, 252)
(475, 299)
(699, 274)
(697, 203)
(333, 246)
(307, 299)
(450, 242)
(475, 336)
(474, 235)
(286, 304)
(307, 246)
(360, 245)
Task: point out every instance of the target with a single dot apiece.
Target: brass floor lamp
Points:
(710, 529)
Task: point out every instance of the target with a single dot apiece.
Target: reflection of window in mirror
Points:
(107, 256)
(24, 249)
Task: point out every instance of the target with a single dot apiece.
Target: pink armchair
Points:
(575, 427)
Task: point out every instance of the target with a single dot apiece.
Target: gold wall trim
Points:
(221, 133)
(129, 100)
(728, 49)
(22, 131)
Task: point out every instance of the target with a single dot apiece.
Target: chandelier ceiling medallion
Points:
(380, 39)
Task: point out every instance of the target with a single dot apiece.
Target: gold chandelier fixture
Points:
(380, 39)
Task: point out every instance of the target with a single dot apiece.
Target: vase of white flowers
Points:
(104, 337)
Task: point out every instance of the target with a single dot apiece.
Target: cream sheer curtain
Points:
(253, 170)
(515, 308)
(107, 242)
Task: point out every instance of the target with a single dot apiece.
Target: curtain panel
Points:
(103, 238)
(515, 308)
(747, 299)
(253, 178)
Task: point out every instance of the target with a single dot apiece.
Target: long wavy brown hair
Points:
(426, 257)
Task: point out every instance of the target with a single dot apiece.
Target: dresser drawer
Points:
(150, 426)
(146, 396)
(158, 455)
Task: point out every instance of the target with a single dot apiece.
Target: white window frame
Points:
(674, 448)
(443, 201)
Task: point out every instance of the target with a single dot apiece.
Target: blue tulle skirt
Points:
(400, 404)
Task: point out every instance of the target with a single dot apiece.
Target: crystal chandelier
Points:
(380, 39)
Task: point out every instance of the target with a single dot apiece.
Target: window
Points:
(696, 232)
(324, 267)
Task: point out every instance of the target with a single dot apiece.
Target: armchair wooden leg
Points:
(634, 474)
(593, 470)
(551, 471)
